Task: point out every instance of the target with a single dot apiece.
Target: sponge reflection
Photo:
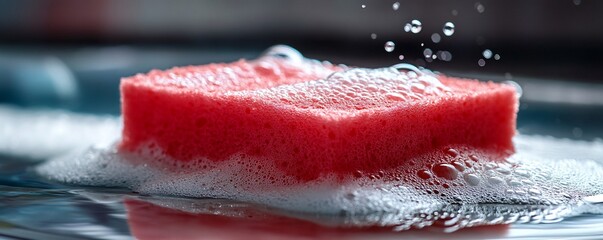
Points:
(150, 221)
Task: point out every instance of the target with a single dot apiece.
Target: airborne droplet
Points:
(395, 6)
(389, 46)
(448, 29)
(487, 54)
(414, 26)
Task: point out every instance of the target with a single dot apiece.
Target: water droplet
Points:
(389, 46)
(496, 57)
(479, 7)
(522, 172)
(395, 97)
(452, 152)
(459, 165)
(448, 29)
(481, 62)
(503, 170)
(471, 179)
(514, 183)
(395, 6)
(495, 180)
(373, 36)
(284, 51)
(444, 56)
(424, 174)
(401, 57)
(490, 166)
(413, 71)
(363, 6)
(436, 38)
(455, 12)
(445, 171)
(427, 52)
(517, 87)
(407, 27)
(468, 164)
(534, 192)
(487, 54)
(415, 26)
(526, 182)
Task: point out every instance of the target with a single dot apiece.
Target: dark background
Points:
(71, 54)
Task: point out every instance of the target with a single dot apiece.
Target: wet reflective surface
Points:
(34, 209)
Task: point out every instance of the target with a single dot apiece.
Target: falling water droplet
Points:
(395, 6)
(416, 26)
(496, 57)
(445, 56)
(401, 57)
(481, 62)
(479, 7)
(363, 6)
(389, 46)
(427, 53)
(436, 38)
(487, 53)
(448, 29)
(373, 36)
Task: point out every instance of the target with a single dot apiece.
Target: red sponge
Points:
(308, 122)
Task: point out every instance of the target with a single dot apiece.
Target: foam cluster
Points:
(531, 186)
(356, 89)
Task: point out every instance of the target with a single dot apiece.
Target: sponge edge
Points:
(193, 125)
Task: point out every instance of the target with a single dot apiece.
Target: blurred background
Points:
(70, 54)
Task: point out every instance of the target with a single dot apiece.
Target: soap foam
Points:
(534, 185)
(356, 89)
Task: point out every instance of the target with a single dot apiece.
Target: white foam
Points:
(356, 89)
(43, 133)
(545, 180)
